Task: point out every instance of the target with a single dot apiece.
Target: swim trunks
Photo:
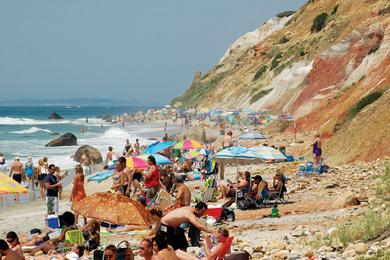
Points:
(174, 236)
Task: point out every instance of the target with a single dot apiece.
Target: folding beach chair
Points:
(164, 200)
(211, 187)
(226, 248)
(73, 236)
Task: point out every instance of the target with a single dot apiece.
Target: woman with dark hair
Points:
(120, 178)
(6, 253)
(164, 251)
(152, 178)
(13, 242)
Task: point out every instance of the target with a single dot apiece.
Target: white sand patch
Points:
(289, 79)
(252, 38)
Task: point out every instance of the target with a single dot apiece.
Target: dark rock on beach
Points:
(55, 116)
(67, 139)
(95, 154)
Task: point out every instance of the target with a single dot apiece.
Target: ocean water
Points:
(24, 131)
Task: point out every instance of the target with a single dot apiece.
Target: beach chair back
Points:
(164, 200)
(226, 248)
(74, 236)
(208, 195)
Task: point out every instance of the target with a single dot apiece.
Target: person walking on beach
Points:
(78, 191)
(42, 173)
(127, 147)
(86, 162)
(52, 186)
(16, 172)
(29, 170)
(3, 164)
(317, 149)
(137, 147)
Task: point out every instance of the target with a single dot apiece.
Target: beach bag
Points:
(124, 253)
(227, 215)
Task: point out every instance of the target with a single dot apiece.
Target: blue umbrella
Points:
(267, 153)
(160, 159)
(252, 136)
(237, 152)
(158, 146)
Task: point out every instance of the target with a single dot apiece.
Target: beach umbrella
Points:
(192, 154)
(9, 185)
(160, 159)
(251, 136)
(158, 147)
(267, 153)
(114, 209)
(187, 145)
(136, 163)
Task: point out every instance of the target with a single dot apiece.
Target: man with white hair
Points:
(16, 172)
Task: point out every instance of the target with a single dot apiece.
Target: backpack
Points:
(227, 215)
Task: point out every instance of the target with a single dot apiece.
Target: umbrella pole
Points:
(236, 184)
(4, 199)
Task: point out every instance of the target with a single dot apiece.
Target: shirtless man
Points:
(183, 197)
(110, 155)
(7, 253)
(86, 162)
(170, 224)
(228, 140)
(137, 147)
(15, 172)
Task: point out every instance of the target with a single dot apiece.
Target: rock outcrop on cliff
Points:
(316, 64)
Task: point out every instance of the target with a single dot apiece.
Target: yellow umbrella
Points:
(8, 185)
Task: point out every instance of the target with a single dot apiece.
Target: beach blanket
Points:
(101, 176)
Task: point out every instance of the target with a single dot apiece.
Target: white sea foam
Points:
(31, 130)
(30, 121)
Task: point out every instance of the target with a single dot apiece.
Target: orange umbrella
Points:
(114, 209)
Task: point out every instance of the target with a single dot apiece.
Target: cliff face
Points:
(316, 64)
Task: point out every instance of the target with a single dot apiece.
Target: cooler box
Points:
(53, 221)
(214, 211)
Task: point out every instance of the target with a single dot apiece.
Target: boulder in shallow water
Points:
(67, 139)
(95, 154)
(55, 116)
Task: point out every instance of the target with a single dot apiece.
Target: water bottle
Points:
(275, 211)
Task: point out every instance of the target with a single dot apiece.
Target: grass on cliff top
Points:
(259, 95)
(369, 226)
(198, 89)
(361, 104)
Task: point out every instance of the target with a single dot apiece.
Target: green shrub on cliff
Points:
(259, 95)
(260, 73)
(284, 39)
(365, 101)
(275, 61)
(319, 22)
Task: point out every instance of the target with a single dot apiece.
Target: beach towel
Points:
(101, 176)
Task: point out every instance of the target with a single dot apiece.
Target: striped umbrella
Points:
(187, 145)
(267, 153)
(136, 163)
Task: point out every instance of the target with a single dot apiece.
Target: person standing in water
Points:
(86, 162)
(317, 149)
(137, 147)
(16, 172)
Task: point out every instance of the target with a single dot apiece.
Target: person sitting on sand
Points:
(135, 180)
(259, 189)
(67, 219)
(230, 191)
(170, 224)
(91, 234)
(183, 197)
(7, 253)
(164, 251)
(110, 252)
(279, 183)
(211, 252)
(13, 243)
(167, 180)
(228, 140)
(76, 253)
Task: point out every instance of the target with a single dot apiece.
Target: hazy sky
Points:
(119, 48)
